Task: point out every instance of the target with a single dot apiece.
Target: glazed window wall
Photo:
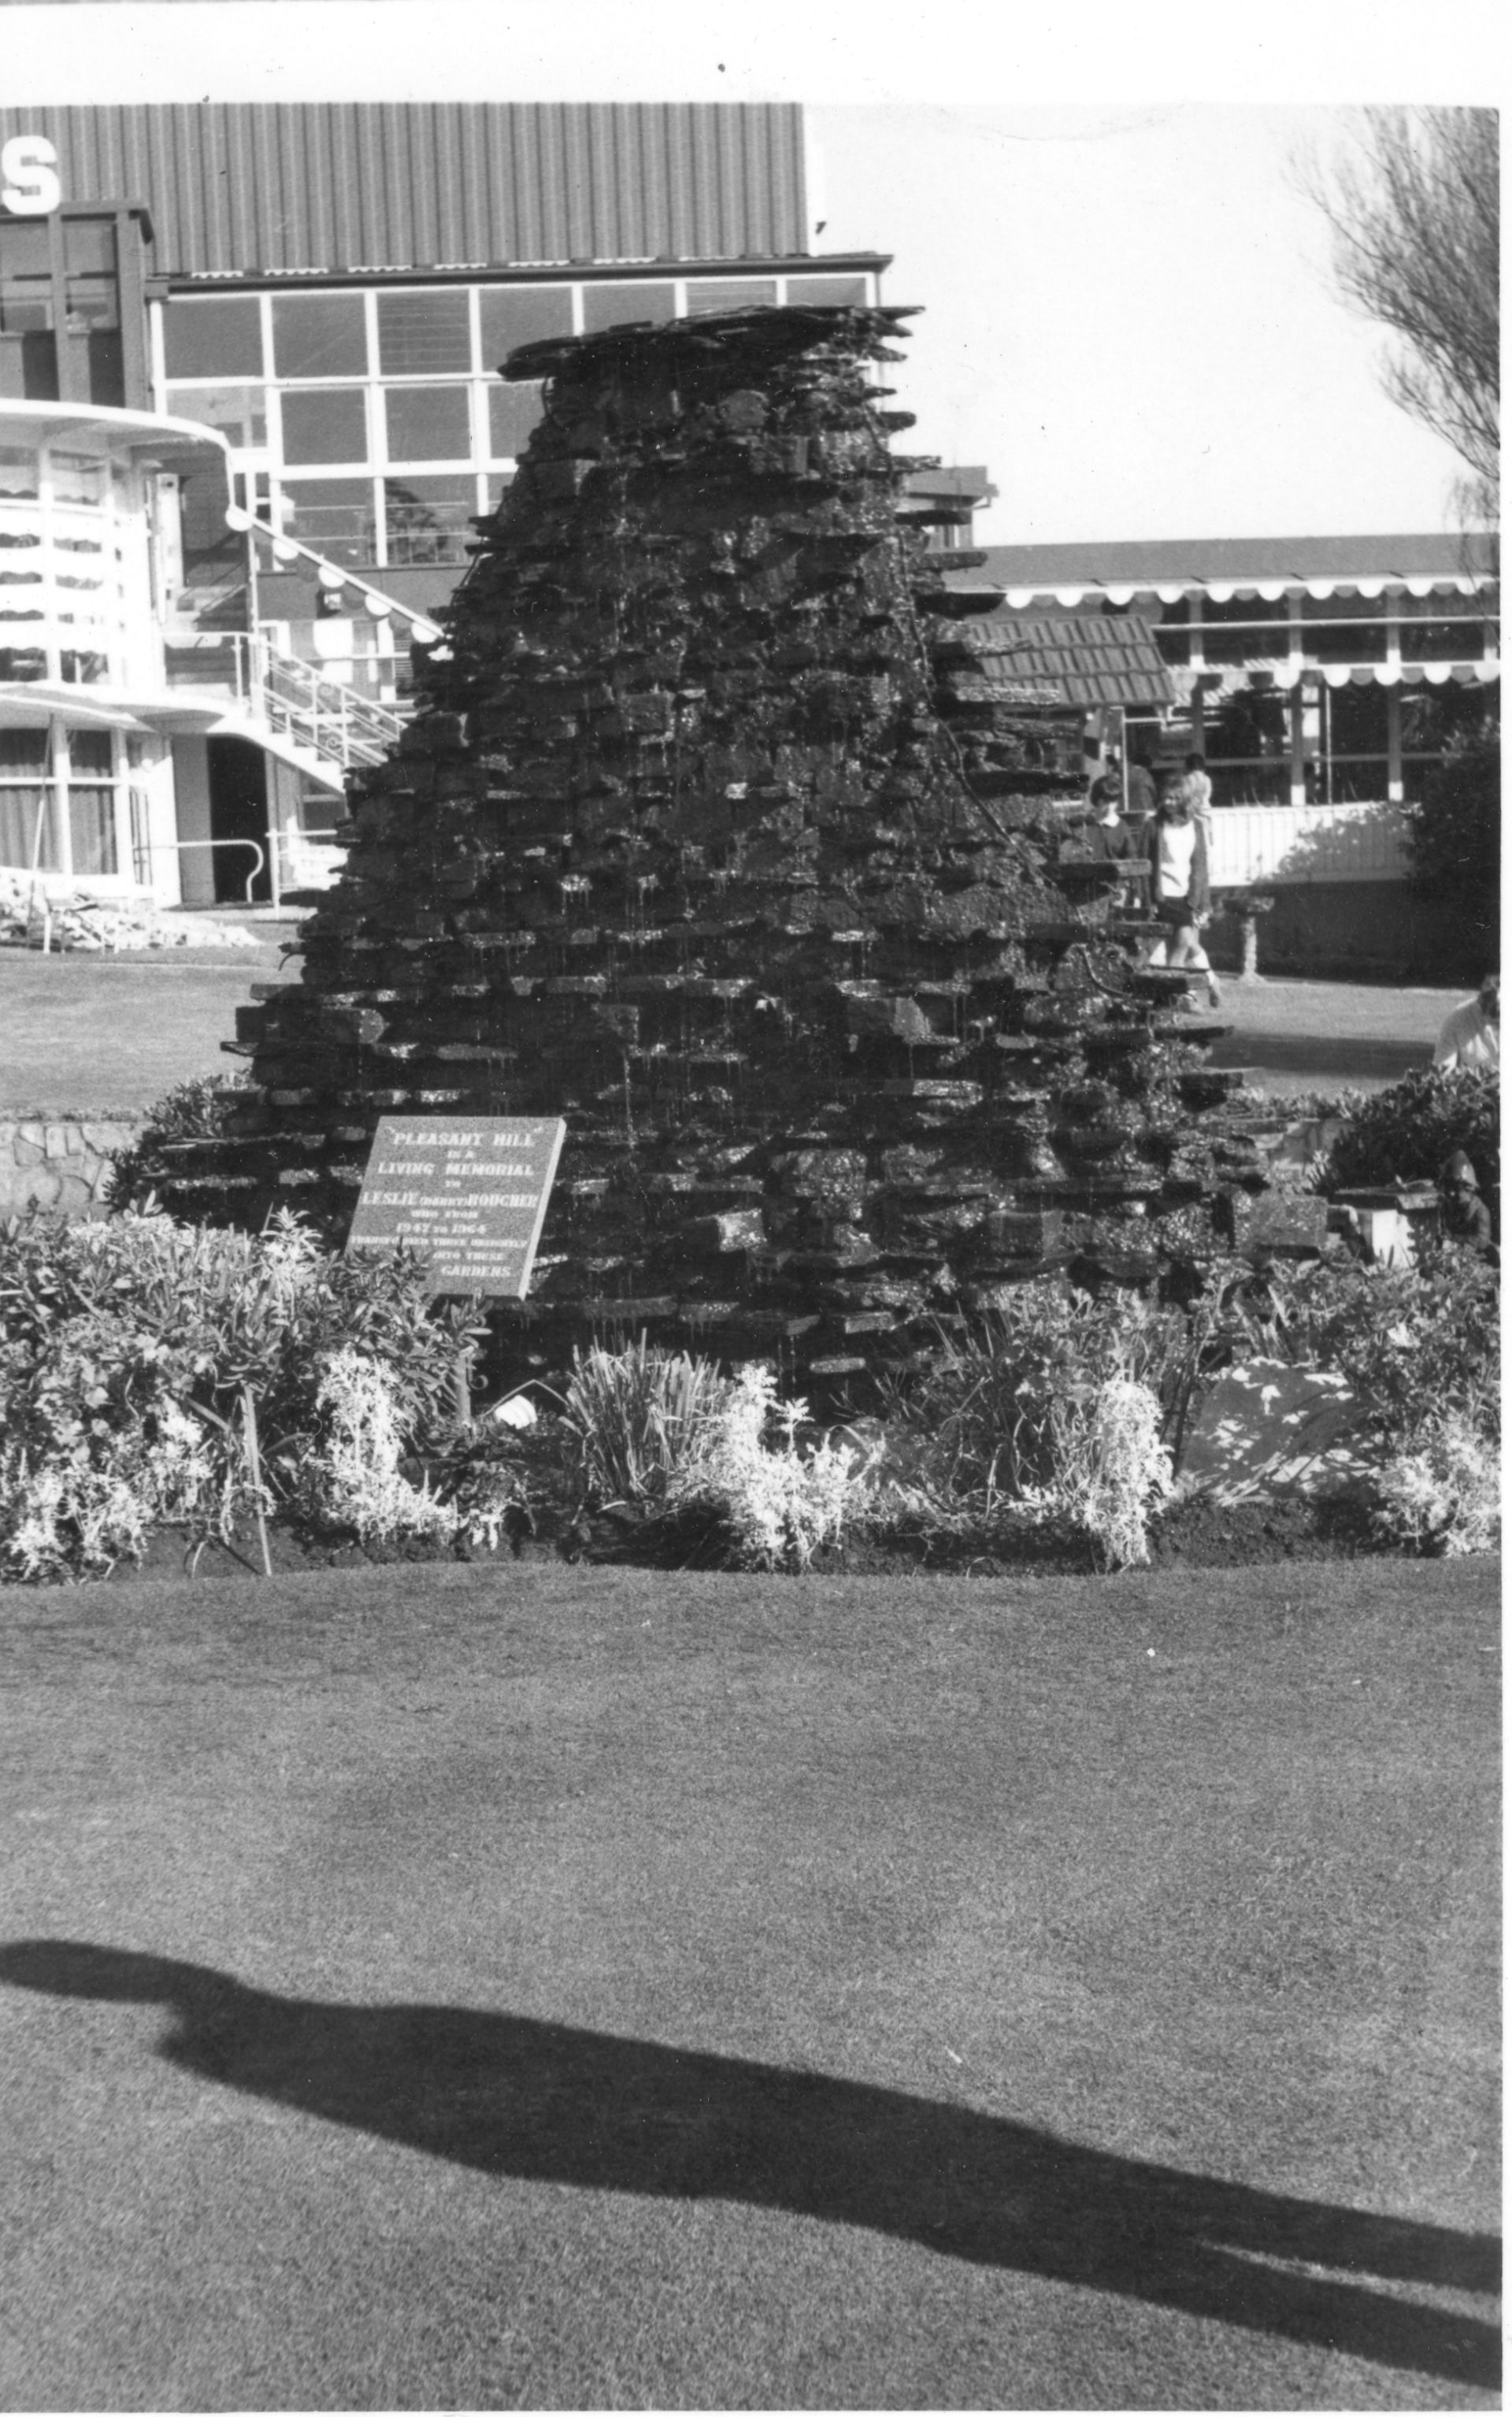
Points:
(1344, 750)
(60, 801)
(385, 425)
(1444, 627)
(66, 612)
(28, 831)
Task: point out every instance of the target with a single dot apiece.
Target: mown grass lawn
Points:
(554, 1987)
(108, 1036)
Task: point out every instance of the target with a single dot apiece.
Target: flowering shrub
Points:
(987, 1418)
(782, 1503)
(1382, 1381)
(1414, 1342)
(352, 1477)
(1442, 1493)
(1112, 1470)
(126, 1349)
(1407, 1132)
(192, 1111)
(1060, 1411)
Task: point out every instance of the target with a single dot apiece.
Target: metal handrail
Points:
(178, 847)
(332, 720)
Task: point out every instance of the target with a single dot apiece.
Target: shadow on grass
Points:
(544, 2101)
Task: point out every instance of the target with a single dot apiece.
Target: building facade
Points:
(1309, 670)
(1321, 679)
(272, 331)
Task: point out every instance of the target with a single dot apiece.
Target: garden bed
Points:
(1194, 1533)
(171, 1393)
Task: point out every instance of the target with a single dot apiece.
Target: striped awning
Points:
(1273, 673)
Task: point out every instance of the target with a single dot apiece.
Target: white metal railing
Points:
(1295, 845)
(332, 722)
(144, 852)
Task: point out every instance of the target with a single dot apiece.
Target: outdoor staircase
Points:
(285, 704)
(317, 724)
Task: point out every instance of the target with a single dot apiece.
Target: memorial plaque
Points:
(469, 1192)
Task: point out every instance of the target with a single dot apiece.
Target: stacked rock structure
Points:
(705, 838)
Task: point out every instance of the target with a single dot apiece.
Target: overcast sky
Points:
(1127, 315)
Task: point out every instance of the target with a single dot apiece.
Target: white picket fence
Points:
(1293, 845)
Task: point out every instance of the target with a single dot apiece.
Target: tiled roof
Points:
(1002, 659)
(1198, 561)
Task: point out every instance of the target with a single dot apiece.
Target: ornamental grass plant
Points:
(637, 1420)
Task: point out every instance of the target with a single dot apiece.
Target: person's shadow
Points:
(542, 2101)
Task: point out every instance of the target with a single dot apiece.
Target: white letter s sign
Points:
(28, 164)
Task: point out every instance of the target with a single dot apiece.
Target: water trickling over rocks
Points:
(703, 838)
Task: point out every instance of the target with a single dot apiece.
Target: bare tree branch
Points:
(1412, 203)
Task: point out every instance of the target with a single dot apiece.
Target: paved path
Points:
(558, 1988)
(1302, 1036)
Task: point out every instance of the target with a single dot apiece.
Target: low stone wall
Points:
(59, 1162)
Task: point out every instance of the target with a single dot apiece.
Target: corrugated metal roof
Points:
(243, 186)
(1235, 561)
(1087, 662)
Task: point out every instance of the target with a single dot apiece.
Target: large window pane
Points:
(22, 754)
(90, 750)
(1440, 642)
(92, 829)
(1345, 642)
(21, 811)
(711, 293)
(329, 426)
(419, 332)
(428, 424)
(829, 290)
(77, 477)
(1432, 718)
(1230, 641)
(1356, 720)
(318, 335)
(218, 337)
(81, 667)
(240, 412)
(25, 282)
(520, 314)
(616, 306)
(429, 519)
(1344, 629)
(1252, 723)
(513, 412)
(334, 516)
(19, 472)
(92, 302)
(22, 663)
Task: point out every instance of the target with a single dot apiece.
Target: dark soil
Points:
(1206, 1535)
(1195, 1534)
